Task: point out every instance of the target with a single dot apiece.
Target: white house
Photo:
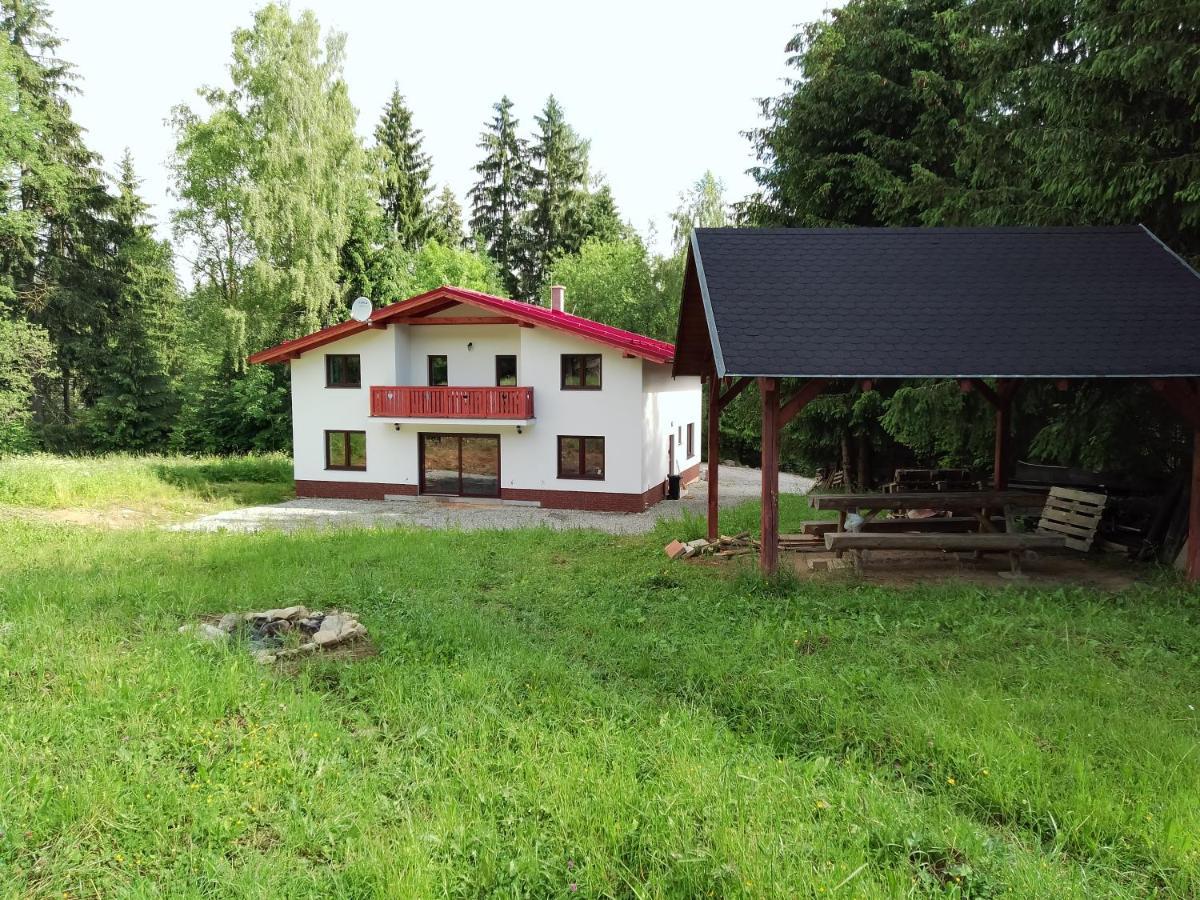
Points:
(458, 393)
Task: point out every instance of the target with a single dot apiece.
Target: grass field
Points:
(568, 714)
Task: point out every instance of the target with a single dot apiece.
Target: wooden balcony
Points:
(452, 402)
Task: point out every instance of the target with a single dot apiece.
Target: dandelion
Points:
(119, 858)
(985, 772)
(951, 781)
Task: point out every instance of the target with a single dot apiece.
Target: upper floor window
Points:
(439, 371)
(581, 371)
(342, 370)
(346, 450)
(506, 370)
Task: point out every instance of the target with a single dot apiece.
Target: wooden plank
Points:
(935, 524)
(1090, 497)
(1088, 522)
(1082, 531)
(952, 500)
(949, 542)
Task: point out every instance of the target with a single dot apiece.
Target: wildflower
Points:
(119, 858)
(570, 864)
(986, 772)
(951, 781)
(572, 887)
(821, 804)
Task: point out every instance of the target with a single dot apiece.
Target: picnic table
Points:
(981, 504)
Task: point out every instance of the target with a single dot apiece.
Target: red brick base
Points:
(690, 474)
(597, 501)
(353, 490)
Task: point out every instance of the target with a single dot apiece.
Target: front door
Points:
(460, 465)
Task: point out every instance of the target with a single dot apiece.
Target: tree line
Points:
(900, 112)
(281, 216)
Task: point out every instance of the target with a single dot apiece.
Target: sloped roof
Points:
(443, 297)
(938, 302)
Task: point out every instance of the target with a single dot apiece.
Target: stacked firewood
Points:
(738, 545)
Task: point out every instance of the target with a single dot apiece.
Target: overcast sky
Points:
(662, 89)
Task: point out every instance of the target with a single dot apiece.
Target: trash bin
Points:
(672, 487)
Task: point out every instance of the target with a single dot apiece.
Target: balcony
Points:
(460, 403)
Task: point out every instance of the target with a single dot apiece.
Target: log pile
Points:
(738, 545)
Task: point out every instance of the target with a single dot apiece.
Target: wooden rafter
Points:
(807, 392)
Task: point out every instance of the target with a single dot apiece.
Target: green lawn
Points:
(568, 714)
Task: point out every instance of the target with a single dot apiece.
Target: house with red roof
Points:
(455, 393)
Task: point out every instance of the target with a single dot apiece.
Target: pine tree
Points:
(58, 258)
(447, 224)
(403, 174)
(135, 400)
(498, 199)
(559, 195)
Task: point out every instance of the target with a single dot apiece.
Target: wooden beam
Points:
(985, 391)
(809, 392)
(736, 388)
(1193, 543)
(769, 543)
(1181, 395)
(714, 454)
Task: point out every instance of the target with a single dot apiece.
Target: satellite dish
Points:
(361, 310)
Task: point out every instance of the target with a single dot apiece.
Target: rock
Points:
(229, 622)
(287, 613)
(264, 657)
(302, 650)
(205, 632)
(697, 544)
(337, 628)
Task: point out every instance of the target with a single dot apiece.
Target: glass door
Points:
(460, 465)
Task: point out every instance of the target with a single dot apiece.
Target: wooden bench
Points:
(895, 526)
(1012, 544)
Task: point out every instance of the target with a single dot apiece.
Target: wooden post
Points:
(1193, 544)
(1000, 460)
(714, 452)
(769, 537)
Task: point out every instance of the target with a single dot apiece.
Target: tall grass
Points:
(568, 714)
(152, 483)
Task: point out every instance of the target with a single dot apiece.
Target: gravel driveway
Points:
(737, 485)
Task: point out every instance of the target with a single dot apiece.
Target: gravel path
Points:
(737, 485)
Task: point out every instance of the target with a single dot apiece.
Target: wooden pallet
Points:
(1073, 514)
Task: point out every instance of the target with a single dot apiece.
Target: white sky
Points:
(662, 89)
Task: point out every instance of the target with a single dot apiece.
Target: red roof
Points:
(527, 313)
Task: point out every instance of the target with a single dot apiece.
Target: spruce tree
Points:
(498, 199)
(447, 219)
(558, 197)
(404, 169)
(135, 401)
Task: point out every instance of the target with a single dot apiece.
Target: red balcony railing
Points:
(452, 402)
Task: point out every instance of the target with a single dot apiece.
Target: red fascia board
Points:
(636, 344)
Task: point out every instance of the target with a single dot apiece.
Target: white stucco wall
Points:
(669, 405)
(638, 405)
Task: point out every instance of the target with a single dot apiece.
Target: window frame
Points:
(582, 373)
(345, 465)
(429, 369)
(342, 385)
(691, 439)
(513, 357)
(583, 439)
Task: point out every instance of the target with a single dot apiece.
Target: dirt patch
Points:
(908, 569)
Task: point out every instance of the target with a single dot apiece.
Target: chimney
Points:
(558, 294)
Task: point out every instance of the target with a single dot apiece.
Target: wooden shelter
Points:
(989, 307)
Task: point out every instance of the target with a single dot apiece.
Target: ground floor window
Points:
(580, 456)
(346, 450)
(691, 445)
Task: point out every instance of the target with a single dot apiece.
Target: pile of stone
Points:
(276, 634)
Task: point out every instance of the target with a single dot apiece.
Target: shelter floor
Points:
(909, 568)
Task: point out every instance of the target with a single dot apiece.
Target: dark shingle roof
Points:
(930, 302)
